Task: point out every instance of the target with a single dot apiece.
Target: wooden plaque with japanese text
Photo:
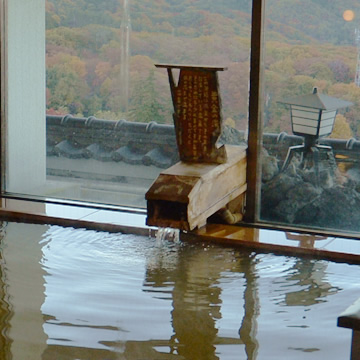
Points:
(197, 113)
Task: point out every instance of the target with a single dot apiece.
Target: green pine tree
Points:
(145, 105)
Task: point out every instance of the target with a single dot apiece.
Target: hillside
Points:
(316, 20)
(308, 43)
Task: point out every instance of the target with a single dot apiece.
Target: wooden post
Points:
(350, 319)
(355, 345)
(255, 120)
(197, 113)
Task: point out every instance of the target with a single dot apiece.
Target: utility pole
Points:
(125, 29)
(357, 40)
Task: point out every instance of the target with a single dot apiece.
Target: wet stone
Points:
(275, 191)
(323, 199)
(270, 167)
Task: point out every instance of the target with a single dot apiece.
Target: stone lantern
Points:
(312, 117)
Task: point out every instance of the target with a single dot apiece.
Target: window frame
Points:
(255, 126)
(255, 123)
(3, 93)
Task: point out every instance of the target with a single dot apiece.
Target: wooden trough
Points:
(210, 175)
(186, 195)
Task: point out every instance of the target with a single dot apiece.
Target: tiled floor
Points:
(134, 221)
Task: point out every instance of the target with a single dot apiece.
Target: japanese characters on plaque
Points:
(197, 116)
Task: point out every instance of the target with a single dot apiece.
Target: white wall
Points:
(26, 125)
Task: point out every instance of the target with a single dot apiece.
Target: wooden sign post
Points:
(208, 175)
(197, 115)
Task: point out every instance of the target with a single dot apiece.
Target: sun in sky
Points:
(348, 15)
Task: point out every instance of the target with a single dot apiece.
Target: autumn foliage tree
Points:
(307, 44)
(341, 129)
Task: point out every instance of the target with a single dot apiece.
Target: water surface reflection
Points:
(112, 296)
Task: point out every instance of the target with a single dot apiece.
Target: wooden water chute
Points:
(209, 176)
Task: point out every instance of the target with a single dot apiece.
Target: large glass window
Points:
(311, 102)
(89, 117)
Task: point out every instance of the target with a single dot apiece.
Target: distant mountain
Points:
(319, 20)
(291, 21)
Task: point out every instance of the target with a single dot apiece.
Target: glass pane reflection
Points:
(99, 122)
(311, 51)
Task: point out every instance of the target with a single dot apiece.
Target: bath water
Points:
(80, 294)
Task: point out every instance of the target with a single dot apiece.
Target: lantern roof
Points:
(317, 101)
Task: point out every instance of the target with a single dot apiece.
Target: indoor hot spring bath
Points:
(70, 293)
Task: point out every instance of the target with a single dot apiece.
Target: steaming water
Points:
(79, 294)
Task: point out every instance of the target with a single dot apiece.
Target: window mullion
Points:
(255, 111)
